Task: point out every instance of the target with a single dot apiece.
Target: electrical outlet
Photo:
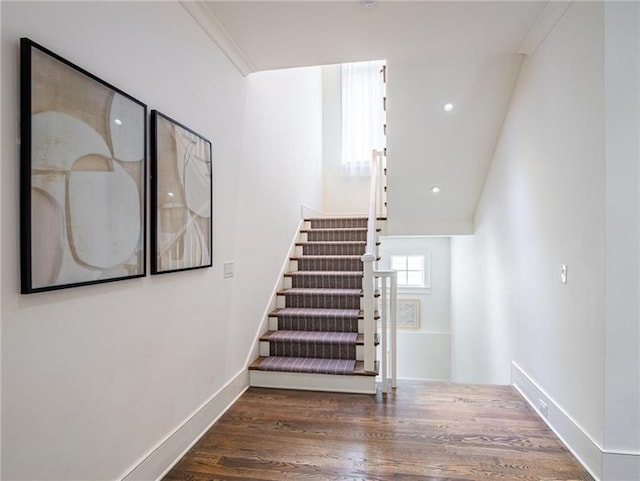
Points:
(542, 407)
(228, 269)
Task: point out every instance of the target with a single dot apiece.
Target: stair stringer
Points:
(263, 326)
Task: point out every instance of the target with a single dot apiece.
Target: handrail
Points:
(388, 347)
(369, 257)
(373, 203)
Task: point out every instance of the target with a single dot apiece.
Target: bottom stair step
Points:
(358, 381)
(269, 363)
(305, 364)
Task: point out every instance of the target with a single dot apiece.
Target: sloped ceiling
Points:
(465, 52)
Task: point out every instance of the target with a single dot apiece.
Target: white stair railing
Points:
(388, 341)
(387, 312)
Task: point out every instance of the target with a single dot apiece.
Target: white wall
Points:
(563, 189)
(425, 353)
(94, 378)
(280, 171)
(342, 194)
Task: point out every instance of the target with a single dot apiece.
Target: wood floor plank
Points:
(424, 431)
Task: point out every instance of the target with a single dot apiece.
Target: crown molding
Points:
(216, 31)
(544, 25)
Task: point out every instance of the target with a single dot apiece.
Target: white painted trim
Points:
(620, 467)
(216, 31)
(161, 458)
(431, 379)
(313, 382)
(573, 436)
(546, 22)
(602, 464)
(336, 215)
(273, 300)
(307, 212)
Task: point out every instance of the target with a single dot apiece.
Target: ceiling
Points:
(272, 35)
(468, 52)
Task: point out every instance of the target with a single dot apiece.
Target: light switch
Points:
(228, 269)
(563, 273)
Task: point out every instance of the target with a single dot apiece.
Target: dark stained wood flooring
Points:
(423, 431)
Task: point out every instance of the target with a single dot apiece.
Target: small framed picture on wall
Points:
(408, 314)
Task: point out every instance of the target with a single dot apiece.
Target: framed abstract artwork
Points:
(408, 314)
(181, 197)
(82, 176)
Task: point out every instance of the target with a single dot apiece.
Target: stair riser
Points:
(319, 301)
(318, 325)
(315, 351)
(341, 235)
(324, 282)
(320, 265)
(381, 226)
(332, 249)
(338, 223)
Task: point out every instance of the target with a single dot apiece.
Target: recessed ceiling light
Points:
(448, 107)
(367, 3)
(117, 121)
(435, 189)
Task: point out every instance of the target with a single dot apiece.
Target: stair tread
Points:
(334, 256)
(304, 364)
(330, 257)
(313, 311)
(324, 337)
(325, 273)
(321, 291)
(332, 243)
(332, 229)
(317, 312)
(358, 369)
(355, 217)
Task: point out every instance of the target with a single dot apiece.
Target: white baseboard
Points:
(620, 466)
(602, 464)
(581, 445)
(168, 452)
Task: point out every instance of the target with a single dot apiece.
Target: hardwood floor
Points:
(423, 431)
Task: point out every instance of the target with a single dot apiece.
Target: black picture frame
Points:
(181, 197)
(83, 169)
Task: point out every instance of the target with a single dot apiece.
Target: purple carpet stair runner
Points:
(317, 329)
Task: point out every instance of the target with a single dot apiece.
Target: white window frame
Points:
(426, 256)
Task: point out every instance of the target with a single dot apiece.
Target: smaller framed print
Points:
(408, 314)
(181, 197)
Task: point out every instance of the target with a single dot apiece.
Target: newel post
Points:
(369, 309)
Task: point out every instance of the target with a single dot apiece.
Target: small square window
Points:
(410, 270)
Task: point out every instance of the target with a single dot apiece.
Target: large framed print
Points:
(181, 197)
(82, 176)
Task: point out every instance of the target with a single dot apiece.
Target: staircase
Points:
(315, 337)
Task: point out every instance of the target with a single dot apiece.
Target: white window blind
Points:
(363, 116)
